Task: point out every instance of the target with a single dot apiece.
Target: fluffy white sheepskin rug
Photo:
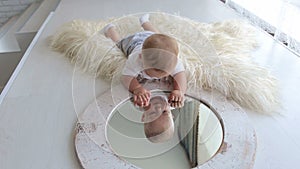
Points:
(215, 55)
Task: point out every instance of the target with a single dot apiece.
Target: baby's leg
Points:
(111, 32)
(146, 24)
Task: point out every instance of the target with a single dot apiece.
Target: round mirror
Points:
(194, 133)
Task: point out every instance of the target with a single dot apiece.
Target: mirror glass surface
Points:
(198, 135)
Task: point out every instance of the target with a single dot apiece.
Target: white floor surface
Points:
(39, 111)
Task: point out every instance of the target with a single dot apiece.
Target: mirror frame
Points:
(239, 140)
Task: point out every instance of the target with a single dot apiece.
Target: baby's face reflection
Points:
(158, 120)
(158, 110)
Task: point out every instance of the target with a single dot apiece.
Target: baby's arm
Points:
(176, 97)
(141, 96)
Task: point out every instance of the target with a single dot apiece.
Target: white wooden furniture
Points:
(93, 148)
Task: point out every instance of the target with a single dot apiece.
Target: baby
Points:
(151, 56)
(158, 120)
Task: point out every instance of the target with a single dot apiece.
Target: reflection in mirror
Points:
(196, 137)
(158, 119)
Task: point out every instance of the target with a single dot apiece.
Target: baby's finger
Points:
(140, 98)
(174, 104)
(148, 95)
(180, 98)
(136, 103)
(171, 98)
(144, 98)
(180, 104)
(176, 98)
(134, 98)
(147, 102)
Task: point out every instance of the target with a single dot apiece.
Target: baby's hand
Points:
(141, 97)
(176, 99)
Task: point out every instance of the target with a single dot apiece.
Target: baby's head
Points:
(158, 120)
(159, 55)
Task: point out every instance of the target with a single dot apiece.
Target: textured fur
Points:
(216, 55)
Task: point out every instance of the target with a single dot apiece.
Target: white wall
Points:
(9, 8)
(8, 63)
